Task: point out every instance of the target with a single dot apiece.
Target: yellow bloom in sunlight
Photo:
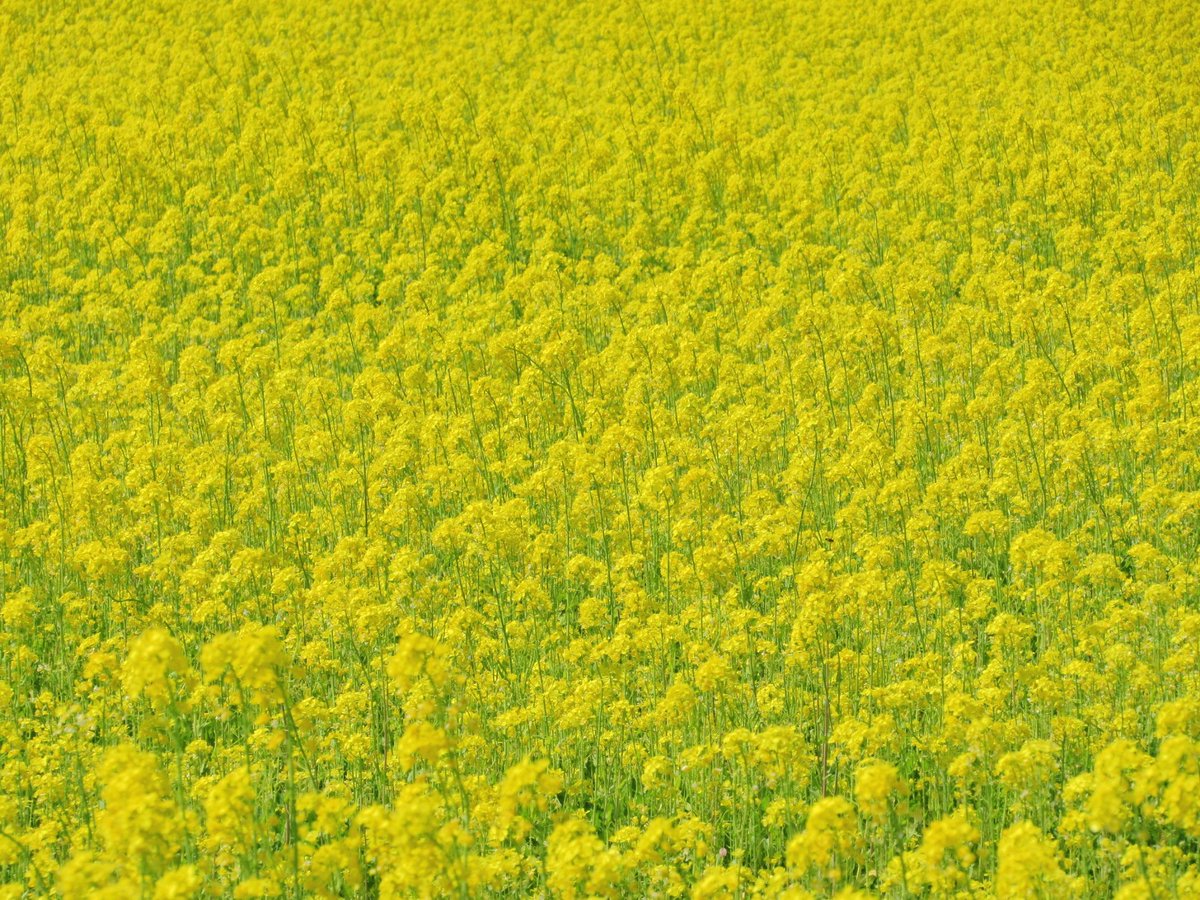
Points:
(946, 854)
(493, 448)
(421, 741)
(182, 883)
(153, 657)
(251, 659)
(418, 655)
(875, 784)
(1029, 864)
(829, 840)
(579, 865)
(229, 816)
(139, 821)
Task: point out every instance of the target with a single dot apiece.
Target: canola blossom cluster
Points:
(635, 448)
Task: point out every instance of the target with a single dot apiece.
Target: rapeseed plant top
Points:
(642, 448)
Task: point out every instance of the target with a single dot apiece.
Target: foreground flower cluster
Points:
(636, 448)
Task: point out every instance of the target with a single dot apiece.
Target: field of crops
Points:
(636, 448)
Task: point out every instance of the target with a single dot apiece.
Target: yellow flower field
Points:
(638, 448)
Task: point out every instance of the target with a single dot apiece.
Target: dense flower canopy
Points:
(635, 448)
